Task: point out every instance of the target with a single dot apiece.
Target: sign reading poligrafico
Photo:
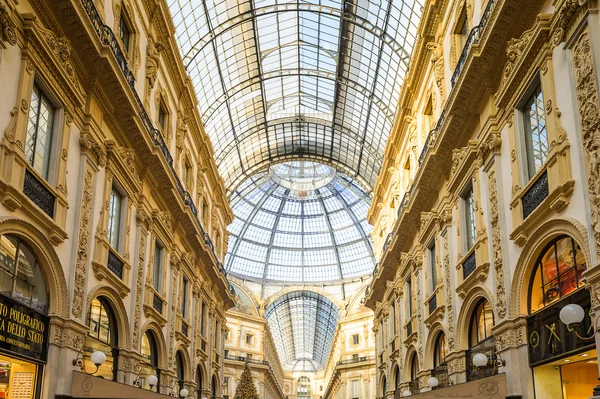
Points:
(23, 330)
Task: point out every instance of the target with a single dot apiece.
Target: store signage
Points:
(23, 330)
(549, 338)
(493, 387)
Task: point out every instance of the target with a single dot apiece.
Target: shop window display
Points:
(20, 274)
(558, 272)
(149, 366)
(102, 336)
(17, 378)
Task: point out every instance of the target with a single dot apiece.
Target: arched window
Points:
(481, 339)
(557, 272)
(213, 386)
(413, 385)
(102, 336)
(179, 372)
(440, 369)
(397, 377)
(20, 274)
(199, 382)
(303, 387)
(149, 365)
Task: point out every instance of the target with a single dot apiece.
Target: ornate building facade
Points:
(112, 214)
(485, 214)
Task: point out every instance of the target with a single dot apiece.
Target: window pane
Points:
(536, 139)
(8, 253)
(114, 218)
(39, 131)
(157, 273)
(432, 268)
(470, 229)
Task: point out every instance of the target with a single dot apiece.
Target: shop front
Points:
(23, 350)
(562, 357)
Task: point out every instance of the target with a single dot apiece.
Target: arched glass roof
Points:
(296, 79)
(299, 236)
(303, 324)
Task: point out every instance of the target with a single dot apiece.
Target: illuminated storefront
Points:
(23, 321)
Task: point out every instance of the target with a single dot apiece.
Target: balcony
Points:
(36, 191)
(535, 195)
(468, 265)
(115, 264)
(244, 359)
(107, 41)
(361, 359)
(157, 303)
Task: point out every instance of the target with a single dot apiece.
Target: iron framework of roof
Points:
(303, 325)
(279, 79)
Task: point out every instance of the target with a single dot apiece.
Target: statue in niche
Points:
(152, 62)
(180, 134)
(438, 64)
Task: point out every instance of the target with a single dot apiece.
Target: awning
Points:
(88, 386)
(493, 387)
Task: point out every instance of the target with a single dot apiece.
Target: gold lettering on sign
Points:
(14, 323)
(552, 329)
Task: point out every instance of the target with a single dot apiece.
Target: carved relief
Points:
(565, 14)
(458, 154)
(88, 143)
(448, 295)
(61, 47)
(497, 246)
(7, 30)
(589, 111)
(127, 157)
(142, 217)
(83, 242)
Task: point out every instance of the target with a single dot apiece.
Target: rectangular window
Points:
(355, 339)
(432, 269)
(187, 174)
(38, 140)
(184, 297)
(409, 306)
(462, 31)
(225, 385)
(393, 318)
(355, 357)
(470, 230)
(157, 272)
(204, 212)
(249, 356)
(114, 218)
(249, 339)
(534, 126)
(355, 388)
(124, 33)
(162, 117)
(217, 334)
(203, 320)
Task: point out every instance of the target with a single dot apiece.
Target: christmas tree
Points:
(246, 388)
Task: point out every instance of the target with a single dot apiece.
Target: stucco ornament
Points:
(152, 62)
(7, 30)
(589, 111)
(438, 64)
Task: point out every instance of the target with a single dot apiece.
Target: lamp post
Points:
(433, 382)
(183, 393)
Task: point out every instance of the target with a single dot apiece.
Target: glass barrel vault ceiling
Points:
(280, 79)
(296, 236)
(303, 325)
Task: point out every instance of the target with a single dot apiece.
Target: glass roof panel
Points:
(309, 227)
(289, 78)
(303, 325)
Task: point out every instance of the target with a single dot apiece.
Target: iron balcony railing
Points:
(246, 360)
(107, 37)
(361, 359)
(474, 37)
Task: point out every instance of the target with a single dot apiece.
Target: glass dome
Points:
(317, 235)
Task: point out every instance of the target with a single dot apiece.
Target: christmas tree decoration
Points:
(246, 388)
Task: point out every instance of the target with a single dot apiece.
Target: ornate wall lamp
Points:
(98, 358)
(572, 315)
(480, 360)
